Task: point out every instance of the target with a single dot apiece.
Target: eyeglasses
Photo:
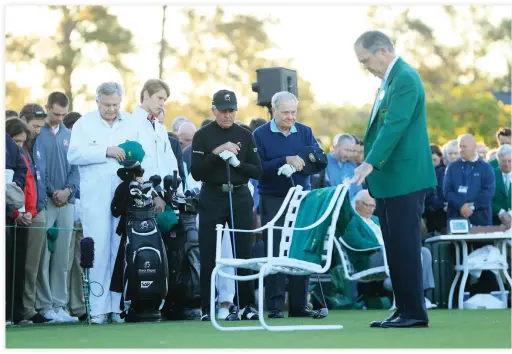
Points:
(373, 206)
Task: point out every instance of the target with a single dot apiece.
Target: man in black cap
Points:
(289, 155)
(213, 147)
(34, 115)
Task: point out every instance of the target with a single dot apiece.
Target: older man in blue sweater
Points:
(279, 144)
(469, 185)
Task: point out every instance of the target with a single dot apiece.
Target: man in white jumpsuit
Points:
(94, 148)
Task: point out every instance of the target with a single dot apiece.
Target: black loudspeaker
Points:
(269, 81)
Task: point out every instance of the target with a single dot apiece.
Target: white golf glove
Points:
(228, 155)
(287, 170)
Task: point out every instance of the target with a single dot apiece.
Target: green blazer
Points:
(501, 199)
(359, 235)
(396, 142)
(494, 163)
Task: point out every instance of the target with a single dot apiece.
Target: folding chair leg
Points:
(213, 318)
(265, 270)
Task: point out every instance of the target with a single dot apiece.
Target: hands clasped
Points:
(229, 156)
(287, 170)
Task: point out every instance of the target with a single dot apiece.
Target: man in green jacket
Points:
(503, 193)
(503, 136)
(398, 170)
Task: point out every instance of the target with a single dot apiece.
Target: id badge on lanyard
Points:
(467, 180)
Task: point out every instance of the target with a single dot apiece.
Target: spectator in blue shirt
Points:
(340, 163)
(469, 185)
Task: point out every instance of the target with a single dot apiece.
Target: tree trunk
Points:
(162, 46)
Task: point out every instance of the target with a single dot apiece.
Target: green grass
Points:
(448, 329)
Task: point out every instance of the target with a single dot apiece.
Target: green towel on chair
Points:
(51, 235)
(308, 245)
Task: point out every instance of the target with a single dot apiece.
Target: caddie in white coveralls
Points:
(94, 148)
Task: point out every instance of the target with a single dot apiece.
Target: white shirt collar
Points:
(141, 111)
(55, 130)
(390, 66)
(475, 159)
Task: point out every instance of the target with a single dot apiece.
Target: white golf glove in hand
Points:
(228, 155)
(287, 170)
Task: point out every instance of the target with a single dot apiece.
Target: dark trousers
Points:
(15, 255)
(275, 283)
(213, 210)
(400, 222)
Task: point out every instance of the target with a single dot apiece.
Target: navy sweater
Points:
(479, 178)
(273, 149)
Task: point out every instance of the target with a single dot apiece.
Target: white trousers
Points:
(98, 223)
(225, 286)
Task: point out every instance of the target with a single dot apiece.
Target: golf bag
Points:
(146, 268)
(141, 269)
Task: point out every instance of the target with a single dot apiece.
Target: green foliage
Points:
(78, 26)
(459, 98)
(16, 96)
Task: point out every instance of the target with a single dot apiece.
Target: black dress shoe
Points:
(38, 318)
(305, 312)
(376, 324)
(250, 313)
(233, 314)
(275, 314)
(400, 322)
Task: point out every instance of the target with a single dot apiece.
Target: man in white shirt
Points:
(94, 148)
(152, 135)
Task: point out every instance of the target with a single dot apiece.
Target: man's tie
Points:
(152, 118)
(507, 182)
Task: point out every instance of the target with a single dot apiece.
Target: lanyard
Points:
(467, 174)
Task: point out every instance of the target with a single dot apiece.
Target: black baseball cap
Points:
(314, 158)
(225, 99)
(32, 110)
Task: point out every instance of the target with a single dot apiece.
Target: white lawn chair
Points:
(282, 263)
(367, 275)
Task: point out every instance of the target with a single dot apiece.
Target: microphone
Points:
(86, 253)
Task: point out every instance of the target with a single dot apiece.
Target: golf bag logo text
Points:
(147, 269)
(145, 284)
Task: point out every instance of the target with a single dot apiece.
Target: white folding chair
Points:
(367, 275)
(282, 263)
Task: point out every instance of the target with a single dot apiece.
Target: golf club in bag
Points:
(323, 312)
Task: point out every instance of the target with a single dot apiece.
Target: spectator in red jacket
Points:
(34, 238)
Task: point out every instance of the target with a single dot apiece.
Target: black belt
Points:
(225, 187)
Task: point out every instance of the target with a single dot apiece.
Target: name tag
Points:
(463, 189)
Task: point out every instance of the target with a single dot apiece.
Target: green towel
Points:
(308, 245)
(51, 235)
(166, 220)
